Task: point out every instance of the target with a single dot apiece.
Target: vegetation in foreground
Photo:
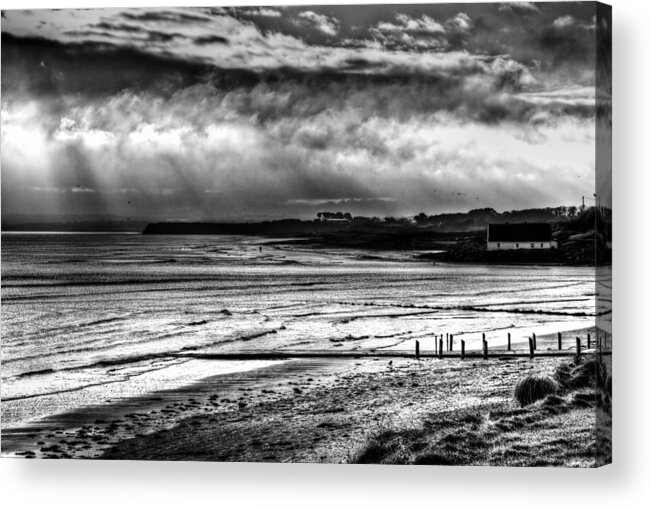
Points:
(561, 421)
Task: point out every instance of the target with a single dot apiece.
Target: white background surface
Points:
(626, 482)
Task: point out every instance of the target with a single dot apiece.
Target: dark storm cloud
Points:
(166, 16)
(120, 27)
(563, 43)
(389, 109)
(153, 36)
(210, 39)
(123, 31)
(41, 66)
(475, 93)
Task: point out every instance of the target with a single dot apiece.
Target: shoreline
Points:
(93, 428)
(371, 399)
(330, 406)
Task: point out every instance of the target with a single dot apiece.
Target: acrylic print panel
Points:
(343, 234)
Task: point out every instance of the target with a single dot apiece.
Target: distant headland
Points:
(454, 237)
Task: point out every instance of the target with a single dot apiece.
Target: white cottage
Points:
(523, 236)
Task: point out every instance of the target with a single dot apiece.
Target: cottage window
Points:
(541, 245)
(517, 245)
(498, 245)
(532, 245)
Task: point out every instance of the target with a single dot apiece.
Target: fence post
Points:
(578, 346)
(560, 342)
(463, 349)
(417, 349)
(535, 344)
(485, 348)
(440, 348)
(451, 342)
(589, 339)
(509, 342)
(531, 348)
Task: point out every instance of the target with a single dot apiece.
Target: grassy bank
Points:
(562, 420)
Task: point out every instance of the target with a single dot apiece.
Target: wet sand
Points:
(87, 432)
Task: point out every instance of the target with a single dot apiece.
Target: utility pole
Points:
(596, 200)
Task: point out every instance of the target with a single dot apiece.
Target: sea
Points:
(88, 318)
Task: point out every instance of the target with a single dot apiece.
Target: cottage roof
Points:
(534, 232)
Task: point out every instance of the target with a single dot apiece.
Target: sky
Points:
(276, 112)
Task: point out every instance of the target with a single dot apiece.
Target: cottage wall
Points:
(512, 245)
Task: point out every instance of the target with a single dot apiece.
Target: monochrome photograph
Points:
(343, 234)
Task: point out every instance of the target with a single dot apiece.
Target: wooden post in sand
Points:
(589, 339)
(578, 346)
(535, 345)
(463, 349)
(451, 342)
(436, 344)
(508, 344)
(417, 349)
(484, 345)
(560, 342)
(440, 348)
(532, 347)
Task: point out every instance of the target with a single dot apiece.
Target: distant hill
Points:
(477, 219)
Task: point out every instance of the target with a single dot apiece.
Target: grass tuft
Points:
(533, 388)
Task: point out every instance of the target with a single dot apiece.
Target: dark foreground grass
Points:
(565, 421)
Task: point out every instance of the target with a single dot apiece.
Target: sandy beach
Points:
(332, 411)
(270, 360)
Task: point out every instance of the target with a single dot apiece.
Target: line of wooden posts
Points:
(449, 344)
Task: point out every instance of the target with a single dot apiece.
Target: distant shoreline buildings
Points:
(327, 216)
(521, 236)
